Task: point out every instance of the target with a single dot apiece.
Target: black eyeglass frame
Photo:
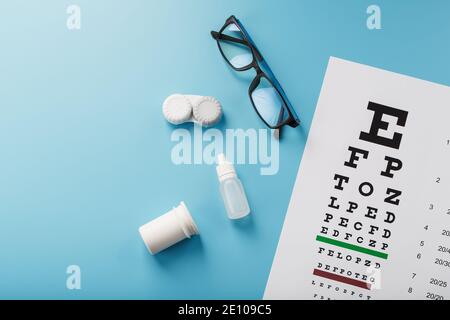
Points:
(292, 120)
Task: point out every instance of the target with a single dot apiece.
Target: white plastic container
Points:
(231, 188)
(168, 229)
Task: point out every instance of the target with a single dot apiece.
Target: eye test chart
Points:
(369, 216)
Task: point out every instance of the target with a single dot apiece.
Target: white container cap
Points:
(168, 229)
(224, 169)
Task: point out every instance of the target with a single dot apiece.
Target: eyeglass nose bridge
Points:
(256, 80)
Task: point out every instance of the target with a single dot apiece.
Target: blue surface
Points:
(85, 151)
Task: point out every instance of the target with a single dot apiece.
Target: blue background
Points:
(85, 151)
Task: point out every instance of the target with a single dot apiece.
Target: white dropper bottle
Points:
(231, 188)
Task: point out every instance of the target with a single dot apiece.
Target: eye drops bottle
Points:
(231, 188)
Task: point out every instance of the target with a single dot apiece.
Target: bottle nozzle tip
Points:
(221, 159)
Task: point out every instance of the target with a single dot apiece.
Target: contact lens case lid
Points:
(177, 109)
(207, 111)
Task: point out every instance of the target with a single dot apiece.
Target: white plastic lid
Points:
(207, 111)
(186, 222)
(225, 169)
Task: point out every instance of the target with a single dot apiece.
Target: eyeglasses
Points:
(266, 94)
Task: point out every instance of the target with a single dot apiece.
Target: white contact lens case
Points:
(203, 110)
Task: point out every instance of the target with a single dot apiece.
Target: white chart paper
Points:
(369, 216)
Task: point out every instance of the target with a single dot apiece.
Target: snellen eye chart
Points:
(369, 216)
